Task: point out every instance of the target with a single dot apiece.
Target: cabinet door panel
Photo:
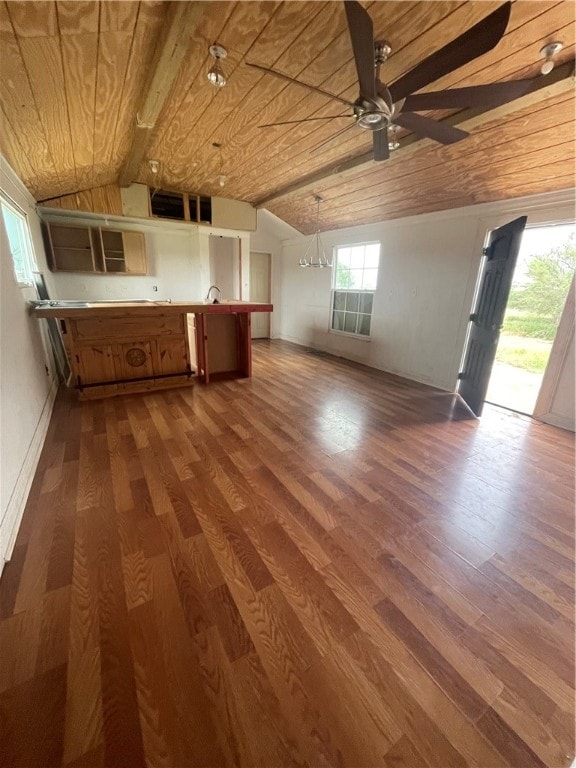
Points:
(171, 356)
(97, 363)
(136, 360)
(134, 253)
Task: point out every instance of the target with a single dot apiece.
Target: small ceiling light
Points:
(154, 166)
(393, 142)
(222, 178)
(548, 52)
(215, 73)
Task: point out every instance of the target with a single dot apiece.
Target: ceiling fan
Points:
(380, 106)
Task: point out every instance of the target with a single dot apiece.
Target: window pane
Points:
(343, 257)
(366, 300)
(372, 258)
(357, 257)
(338, 321)
(15, 229)
(370, 279)
(343, 279)
(364, 325)
(350, 322)
(352, 302)
(339, 300)
(355, 278)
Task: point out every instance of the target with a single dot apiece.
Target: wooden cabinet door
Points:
(171, 356)
(136, 360)
(134, 253)
(96, 364)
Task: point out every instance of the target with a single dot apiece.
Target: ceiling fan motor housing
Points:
(376, 113)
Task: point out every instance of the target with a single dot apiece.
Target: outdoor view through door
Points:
(544, 271)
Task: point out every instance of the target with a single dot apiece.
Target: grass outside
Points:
(523, 352)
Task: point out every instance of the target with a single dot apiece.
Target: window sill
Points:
(356, 336)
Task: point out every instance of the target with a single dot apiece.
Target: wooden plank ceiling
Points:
(74, 75)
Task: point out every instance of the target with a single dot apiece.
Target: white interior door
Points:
(260, 291)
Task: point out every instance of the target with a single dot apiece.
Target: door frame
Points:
(561, 345)
(270, 262)
(540, 214)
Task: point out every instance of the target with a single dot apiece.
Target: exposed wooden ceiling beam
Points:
(558, 81)
(181, 21)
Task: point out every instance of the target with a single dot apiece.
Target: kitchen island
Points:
(120, 347)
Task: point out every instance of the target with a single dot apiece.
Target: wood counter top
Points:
(123, 309)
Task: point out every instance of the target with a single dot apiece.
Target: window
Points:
(19, 239)
(355, 279)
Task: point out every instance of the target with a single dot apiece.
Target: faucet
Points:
(219, 299)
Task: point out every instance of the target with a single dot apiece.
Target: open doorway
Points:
(542, 277)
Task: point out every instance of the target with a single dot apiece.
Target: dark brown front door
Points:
(488, 313)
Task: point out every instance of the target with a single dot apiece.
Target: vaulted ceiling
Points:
(80, 80)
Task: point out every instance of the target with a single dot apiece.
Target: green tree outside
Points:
(534, 309)
(539, 304)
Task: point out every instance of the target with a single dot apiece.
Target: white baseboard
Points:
(16, 505)
(557, 420)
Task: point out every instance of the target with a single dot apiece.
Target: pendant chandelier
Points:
(321, 260)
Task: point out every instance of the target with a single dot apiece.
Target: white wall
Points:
(27, 375)
(428, 270)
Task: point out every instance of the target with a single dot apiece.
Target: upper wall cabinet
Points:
(95, 249)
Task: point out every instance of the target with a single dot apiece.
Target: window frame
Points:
(28, 256)
(360, 291)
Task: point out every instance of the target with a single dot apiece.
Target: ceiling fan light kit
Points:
(379, 105)
(215, 74)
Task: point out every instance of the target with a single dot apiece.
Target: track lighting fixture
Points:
(215, 73)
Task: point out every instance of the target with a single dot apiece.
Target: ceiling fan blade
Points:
(282, 76)
(491, 95)
(479, 39)
(334, 136)
(305, 120)
(362, 36)
(380, 139)
(432, 129)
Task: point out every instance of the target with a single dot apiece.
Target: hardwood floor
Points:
(321, 566)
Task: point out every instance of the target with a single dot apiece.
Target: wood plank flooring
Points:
(321, 566)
